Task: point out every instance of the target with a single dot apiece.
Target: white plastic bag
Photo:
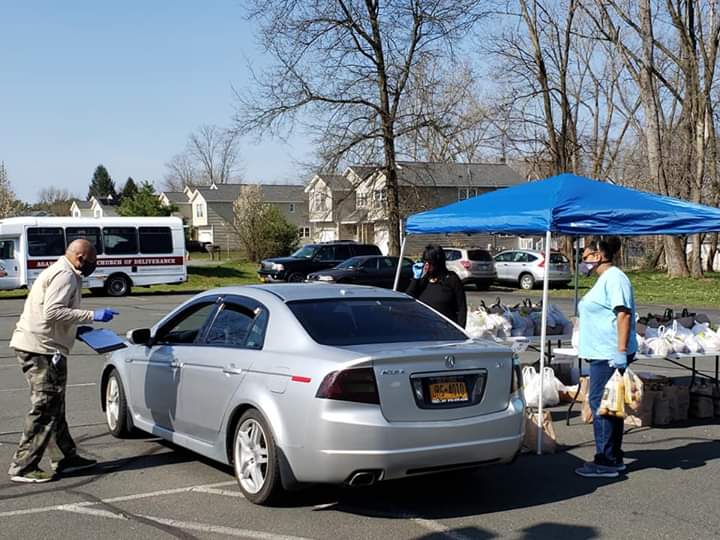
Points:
(658, 346)
(477, 324)
(532, 382)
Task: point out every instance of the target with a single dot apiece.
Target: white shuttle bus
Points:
(132, 251)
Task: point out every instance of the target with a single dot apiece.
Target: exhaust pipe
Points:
(363, 478)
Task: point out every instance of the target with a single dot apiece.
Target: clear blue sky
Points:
(123, 84)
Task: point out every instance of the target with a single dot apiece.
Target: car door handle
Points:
(175, 365)
(232, 371)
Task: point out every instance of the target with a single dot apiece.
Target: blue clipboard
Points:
(102, 340)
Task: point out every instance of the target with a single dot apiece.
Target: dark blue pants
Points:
(608, 430)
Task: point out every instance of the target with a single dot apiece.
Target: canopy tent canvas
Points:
(565, 204)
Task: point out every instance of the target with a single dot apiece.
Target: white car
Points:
(526, 267)
(308, 383)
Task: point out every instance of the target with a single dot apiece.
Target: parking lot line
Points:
(25, 388)
(122, 498)
(215, 491)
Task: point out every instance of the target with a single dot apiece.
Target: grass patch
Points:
(200, 278)
(658, 288)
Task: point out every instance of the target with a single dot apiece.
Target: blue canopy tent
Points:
(565, 204)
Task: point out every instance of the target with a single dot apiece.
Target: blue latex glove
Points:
(82, 329)
(619, 360)
(104, 314)
(418, 268)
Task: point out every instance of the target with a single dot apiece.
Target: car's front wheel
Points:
(116, 415)
(527, 281)
(255, 459)
(296, 277)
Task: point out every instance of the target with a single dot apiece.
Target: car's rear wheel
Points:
(117, 285)
(527, 281)
(296, 277)
(116, 413)
(255, 459)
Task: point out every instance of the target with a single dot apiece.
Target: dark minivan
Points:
(311, 258)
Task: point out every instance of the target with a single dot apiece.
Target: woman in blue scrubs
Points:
(608, 342)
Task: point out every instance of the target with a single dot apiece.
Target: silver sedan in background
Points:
(303, 383)
(526, 267)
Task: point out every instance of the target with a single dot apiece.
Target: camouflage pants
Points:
(45, 424)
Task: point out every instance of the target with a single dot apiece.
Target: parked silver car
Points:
(472, 265)
(527, 267)
(305, 383)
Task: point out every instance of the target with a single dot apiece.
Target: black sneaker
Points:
(33, 476)
(73, 464)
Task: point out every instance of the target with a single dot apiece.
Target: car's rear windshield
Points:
(363, 321)
(558, 258)
(479, 255)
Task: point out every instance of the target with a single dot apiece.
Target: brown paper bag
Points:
(662, 413)
(643, 416)
(584, 389)
(586, 413)
(549, 438)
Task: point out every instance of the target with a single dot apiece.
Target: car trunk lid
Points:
(418, 383)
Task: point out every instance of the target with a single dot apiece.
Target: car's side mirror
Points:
(139, 336)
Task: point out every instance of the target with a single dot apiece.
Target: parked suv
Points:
(311, 258)
(474, 266)
(526, 267)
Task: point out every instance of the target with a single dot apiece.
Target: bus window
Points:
(120, 240)
(46, 241)
(91, 234)
(155, 240)
(7, 249)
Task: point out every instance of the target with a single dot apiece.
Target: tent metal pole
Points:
(577, 271)
(543, 338)
(399, 265)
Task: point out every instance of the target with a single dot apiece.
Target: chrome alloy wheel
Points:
(251, 456)
(112, 403)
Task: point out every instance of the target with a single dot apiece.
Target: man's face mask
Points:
(87, 267)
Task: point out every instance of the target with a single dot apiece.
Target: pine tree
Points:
(129, 190)
(8, 202)
(101, 185)
(144, 203)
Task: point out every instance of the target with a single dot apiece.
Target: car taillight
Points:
(466, 264)
(541, 264)
(516, 382)
(356, 385)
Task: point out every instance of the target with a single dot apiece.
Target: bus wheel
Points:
(117, 285)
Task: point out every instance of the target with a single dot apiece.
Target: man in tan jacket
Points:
(42, 339)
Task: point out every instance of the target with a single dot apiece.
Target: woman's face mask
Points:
(591, 260)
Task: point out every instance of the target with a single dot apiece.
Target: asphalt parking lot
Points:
(144, 488)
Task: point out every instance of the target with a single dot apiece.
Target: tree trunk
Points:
(712, 252)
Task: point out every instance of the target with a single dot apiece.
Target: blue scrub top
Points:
(598, 321)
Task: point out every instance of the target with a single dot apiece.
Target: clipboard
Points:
(102, 340)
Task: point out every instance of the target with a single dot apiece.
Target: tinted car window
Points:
(186, 328)
(366, 249)
(155, 240)
(325, 253)
(370, 264)
(46, 241)
(230, 327)
(407, 263)
(452, 255)
(7, 249)
(387, 262)
(305, 252)
(505, 257)
(351, 263)
(365, 321)
(479, 255)
(558, 258)
(91, 234)
(256, 336)
(521, 257)
(120, 240)
(342, 253)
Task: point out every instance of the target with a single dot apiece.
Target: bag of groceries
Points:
(633, 390)
(613, 399)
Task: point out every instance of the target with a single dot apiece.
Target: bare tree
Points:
(210, 157)
(341, 69)
(7, 195)
(180, 173)
(55, 201)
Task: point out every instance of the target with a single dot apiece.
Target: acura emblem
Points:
(450, 361)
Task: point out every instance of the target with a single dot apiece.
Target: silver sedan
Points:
(302, 383)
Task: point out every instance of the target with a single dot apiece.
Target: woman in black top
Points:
(436, 286)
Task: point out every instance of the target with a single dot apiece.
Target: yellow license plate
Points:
(448, 392)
